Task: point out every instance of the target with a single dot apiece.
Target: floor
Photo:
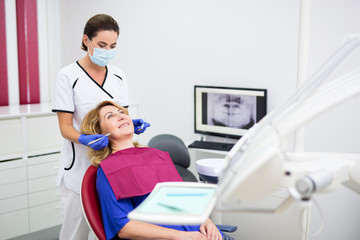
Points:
(48, 234)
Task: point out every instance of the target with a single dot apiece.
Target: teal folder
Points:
(177, 203)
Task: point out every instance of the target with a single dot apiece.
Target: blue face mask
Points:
(102, 57)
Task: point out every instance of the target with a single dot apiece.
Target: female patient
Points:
(126, 175)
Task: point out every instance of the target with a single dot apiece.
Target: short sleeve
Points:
(63, 100)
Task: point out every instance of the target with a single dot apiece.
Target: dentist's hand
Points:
(140, 125)
(87, 140)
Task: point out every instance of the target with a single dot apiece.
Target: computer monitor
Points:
(228, 111)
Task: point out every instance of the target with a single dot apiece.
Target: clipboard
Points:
(176, 203)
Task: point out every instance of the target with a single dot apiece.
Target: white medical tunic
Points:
(78, 93)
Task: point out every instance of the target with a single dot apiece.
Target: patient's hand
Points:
(210, 230)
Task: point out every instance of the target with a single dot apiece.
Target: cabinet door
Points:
(43, 135)
(11, 146)
(12, 204)
(42, 184)
(17, 173)
(45, 216)
(13, 189)
(43, 166)
(44, 197)
(14, 218)
(14, 224)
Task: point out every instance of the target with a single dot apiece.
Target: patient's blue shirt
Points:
(114, 212)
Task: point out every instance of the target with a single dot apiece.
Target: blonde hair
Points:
(91, 125)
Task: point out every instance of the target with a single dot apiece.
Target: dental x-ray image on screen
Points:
(231, 110)
(228, 111)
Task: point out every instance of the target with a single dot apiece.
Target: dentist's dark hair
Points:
(99, 22)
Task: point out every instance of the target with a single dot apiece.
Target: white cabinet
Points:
(11, 143)
(14, 224)
(44, 201)
(14, 217)
(42, 134)
(29, 156)
(44, 216)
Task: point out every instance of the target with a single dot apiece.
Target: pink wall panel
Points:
(4, 96)
(28, 56)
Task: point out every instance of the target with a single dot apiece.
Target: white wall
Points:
(11, 52)
(166, 47)
(331, 21)
(337, 130)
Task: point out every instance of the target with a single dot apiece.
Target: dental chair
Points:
(91, 205)
(178, 152)
(180, 156)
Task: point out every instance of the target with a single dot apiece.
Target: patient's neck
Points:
(122, 144)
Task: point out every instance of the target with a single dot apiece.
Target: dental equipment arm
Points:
(257, 164)
(320, 172)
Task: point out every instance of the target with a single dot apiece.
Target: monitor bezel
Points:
(214, 130)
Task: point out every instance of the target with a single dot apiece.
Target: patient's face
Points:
(115, 121)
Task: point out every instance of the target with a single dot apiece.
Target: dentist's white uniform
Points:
(78, 93)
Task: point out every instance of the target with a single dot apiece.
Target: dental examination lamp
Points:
(259, 162)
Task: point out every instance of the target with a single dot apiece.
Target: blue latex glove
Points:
(140, 125)
(102, 143)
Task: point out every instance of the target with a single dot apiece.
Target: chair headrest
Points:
(174, 146)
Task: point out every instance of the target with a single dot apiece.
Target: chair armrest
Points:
(227, 228)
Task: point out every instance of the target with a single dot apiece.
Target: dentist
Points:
(80, 87)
